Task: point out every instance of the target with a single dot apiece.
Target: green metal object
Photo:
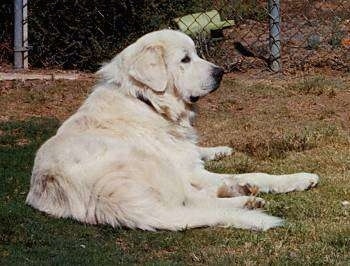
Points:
(202, 23)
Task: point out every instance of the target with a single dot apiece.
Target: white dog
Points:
(128, 157)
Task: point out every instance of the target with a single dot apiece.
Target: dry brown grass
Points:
(20, 100)
(267, 119)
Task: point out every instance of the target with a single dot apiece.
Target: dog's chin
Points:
(209, 89)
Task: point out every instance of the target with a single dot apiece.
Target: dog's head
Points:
(165, 62)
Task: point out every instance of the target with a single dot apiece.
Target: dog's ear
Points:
(149, 68)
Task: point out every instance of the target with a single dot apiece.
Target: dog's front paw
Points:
(212, 153)
(303, 181)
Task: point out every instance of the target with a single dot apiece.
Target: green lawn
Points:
(275, 127)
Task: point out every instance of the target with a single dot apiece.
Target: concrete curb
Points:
(53, 76)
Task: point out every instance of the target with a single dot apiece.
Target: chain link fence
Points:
(316, 34)
(304, 34)
(240, 35)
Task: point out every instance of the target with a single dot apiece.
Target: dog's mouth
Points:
(214, 86)
(194, 99)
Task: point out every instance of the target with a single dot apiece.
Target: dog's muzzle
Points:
(216, 73)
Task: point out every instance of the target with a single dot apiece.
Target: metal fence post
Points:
(20, 34)
(274, 35)
(25, 34)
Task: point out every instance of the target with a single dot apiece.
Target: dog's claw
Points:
(312, 185)
(255, 203)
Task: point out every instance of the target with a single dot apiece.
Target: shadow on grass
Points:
(19, 141)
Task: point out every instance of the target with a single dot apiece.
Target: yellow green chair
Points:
(203, 23)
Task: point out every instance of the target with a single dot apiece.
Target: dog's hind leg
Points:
(55, 196)
(202, 216)
(124, 202)
(248, 202)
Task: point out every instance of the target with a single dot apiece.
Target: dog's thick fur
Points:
(128, 157)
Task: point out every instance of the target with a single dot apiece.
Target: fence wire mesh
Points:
(240, 35)
(316, 34)
(308, 34)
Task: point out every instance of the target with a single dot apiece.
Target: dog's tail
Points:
(131, 205)
(124, 202)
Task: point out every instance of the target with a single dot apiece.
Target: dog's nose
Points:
(217, 73)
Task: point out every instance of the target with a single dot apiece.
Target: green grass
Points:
(319, 85)
(270, 133)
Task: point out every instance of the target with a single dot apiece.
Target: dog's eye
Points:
(186, 59)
